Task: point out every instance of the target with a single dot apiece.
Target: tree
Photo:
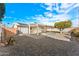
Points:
(2, 10)
(63, 24)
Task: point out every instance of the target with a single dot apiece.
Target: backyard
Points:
(27, 26)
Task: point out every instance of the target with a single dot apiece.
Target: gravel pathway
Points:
(33, 45)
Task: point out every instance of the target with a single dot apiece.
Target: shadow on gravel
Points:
(42, 46)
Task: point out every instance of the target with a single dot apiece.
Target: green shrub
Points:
(10, 41)
(75, 32)
(53, 31)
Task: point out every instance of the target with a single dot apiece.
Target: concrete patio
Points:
(57, 36)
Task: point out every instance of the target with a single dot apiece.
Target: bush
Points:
(54, 31)
(75, 32)
(10, 41)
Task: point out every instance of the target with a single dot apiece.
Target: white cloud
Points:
(75, 23)
(48, 17)
(65, 7)
(49, 23)
(8, 17)
(41, 18)
(77, 16)
(49, 6)
(61, 17)
(69, 9)
(48, 14)
(52, 20)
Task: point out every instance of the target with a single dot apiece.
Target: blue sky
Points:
(45, 13)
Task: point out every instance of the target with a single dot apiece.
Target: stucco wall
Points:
(8, 32)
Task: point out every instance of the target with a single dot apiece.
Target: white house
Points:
(21, 28)
(31, 28)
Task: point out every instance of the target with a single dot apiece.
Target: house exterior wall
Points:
(34, 30)
(23, 30)
(53, 29)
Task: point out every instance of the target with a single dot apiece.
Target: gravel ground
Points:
(33, 45)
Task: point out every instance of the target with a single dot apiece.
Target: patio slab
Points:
(58, 36)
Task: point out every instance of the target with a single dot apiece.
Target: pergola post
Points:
(29, 29)
(37, 29)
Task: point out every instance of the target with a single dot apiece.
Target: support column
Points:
(37, 29)
(29, 29)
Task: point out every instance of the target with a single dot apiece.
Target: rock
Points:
(2, 44)
(6, 43)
